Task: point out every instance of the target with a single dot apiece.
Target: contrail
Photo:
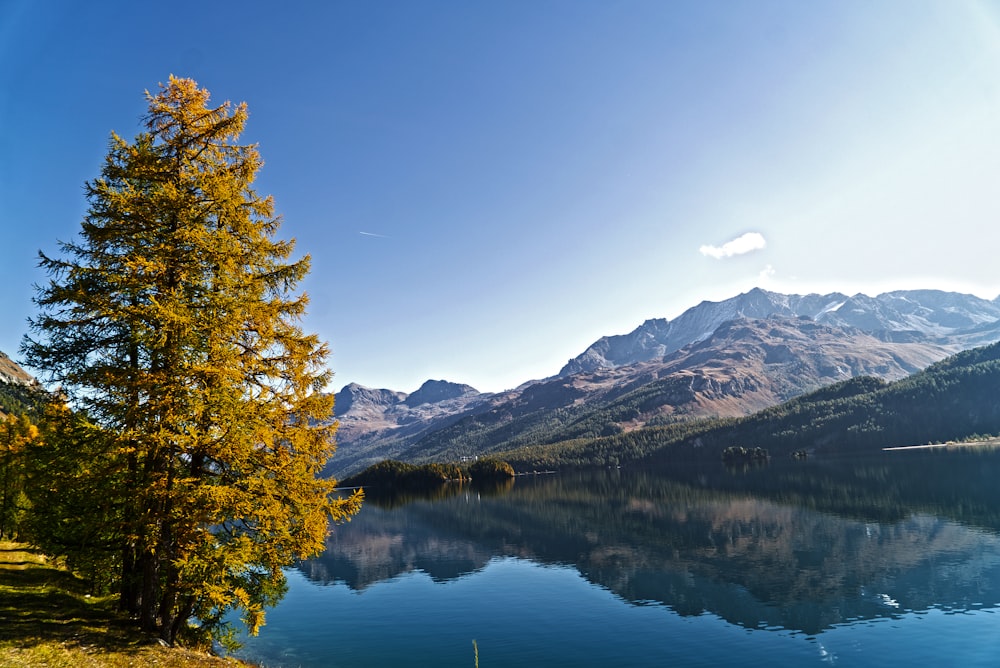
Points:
(372, 234)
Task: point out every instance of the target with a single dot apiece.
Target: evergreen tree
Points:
(16, 432)
(75, 478)
(173, 325)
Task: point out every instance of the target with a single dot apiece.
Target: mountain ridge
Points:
(896, 312)
(12, 373)
(20, 392)
(953, 400)
(892, 334)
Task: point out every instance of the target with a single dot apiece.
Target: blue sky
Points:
(485, 188)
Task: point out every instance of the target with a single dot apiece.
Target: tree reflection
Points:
(800, 545)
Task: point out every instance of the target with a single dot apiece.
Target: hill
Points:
(717, 359)
(744, 366)
(952, 400)
(20, 392)
(951, 318)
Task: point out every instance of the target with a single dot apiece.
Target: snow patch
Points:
(830, 308)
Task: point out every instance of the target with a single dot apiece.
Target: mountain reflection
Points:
(796, 545)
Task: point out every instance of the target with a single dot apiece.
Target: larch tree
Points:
(16, 432)
(173, 325)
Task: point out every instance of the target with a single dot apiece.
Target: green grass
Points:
(47, 618)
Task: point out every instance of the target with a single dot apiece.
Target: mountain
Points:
(717, 359)
(955, 399)
(12, 374)
(20, 392)
(379, 424)
(945, 317)
(744, 366)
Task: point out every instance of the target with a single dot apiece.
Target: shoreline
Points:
(951, 444)
(52, 619)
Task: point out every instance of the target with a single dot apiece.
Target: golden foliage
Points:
(175, 325)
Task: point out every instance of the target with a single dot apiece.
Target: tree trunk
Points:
(169, 619)
(181, 618)
(148, 603)
(128, 599)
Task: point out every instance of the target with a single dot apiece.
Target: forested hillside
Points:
(16, 399)
(744, 366)
(20, 393)
(955, 399)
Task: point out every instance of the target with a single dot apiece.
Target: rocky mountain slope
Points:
(724, 358)
(744, 366)
(20, 392)
(380, 424)
(944, 317)
(12, 374)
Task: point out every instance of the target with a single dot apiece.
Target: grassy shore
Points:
(47, 619)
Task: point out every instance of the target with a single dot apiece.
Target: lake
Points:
(890, 559)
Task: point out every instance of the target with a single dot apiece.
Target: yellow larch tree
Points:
(16, 432)
(173, 325)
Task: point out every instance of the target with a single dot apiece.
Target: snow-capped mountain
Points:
(947, 318)
(725, 358)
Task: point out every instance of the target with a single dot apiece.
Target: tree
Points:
(490, 469)
(75, 478)
(16, 432)
(173, 325)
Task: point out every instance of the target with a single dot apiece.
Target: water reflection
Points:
(802, 546)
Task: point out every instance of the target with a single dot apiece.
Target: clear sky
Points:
(487, 187)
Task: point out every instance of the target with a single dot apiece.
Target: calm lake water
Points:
(889, 560)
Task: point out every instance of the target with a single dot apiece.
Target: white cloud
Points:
(746, 243)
